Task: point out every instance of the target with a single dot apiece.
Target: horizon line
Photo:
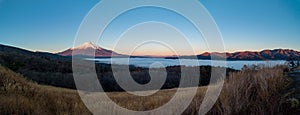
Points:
(55, 52)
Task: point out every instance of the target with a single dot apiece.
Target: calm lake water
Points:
(161, 62)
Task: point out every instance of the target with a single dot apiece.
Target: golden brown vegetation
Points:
(251, 91)
(19, 96)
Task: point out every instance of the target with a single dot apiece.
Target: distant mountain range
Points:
(88, 48)
(276, 54)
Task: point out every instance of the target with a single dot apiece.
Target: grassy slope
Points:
(247, 92)
(19, 96)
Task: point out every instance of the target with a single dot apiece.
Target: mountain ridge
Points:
(268, 54)
(88, 48)
(275, 54)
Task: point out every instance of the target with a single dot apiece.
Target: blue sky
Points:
(51, 25)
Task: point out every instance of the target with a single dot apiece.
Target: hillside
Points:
(248, 91)
(20, 96)
(43, 68)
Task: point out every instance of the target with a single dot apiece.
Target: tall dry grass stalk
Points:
(255, 91)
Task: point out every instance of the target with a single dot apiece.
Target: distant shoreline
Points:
(147, 62)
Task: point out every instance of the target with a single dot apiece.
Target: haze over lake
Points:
(161, 62)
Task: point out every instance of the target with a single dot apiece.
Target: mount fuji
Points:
(89, 49)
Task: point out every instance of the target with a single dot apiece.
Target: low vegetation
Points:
(251, 91)
(262, 91)
(22, 97)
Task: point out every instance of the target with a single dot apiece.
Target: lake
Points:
(161, 62)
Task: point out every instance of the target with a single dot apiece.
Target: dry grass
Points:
(19, 96)
(250, 91)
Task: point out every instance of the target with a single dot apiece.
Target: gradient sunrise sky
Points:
(51, 25)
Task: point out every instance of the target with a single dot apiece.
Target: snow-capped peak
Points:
(86, 45)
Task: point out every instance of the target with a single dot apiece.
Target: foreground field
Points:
(251, 91)
(20, 96)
